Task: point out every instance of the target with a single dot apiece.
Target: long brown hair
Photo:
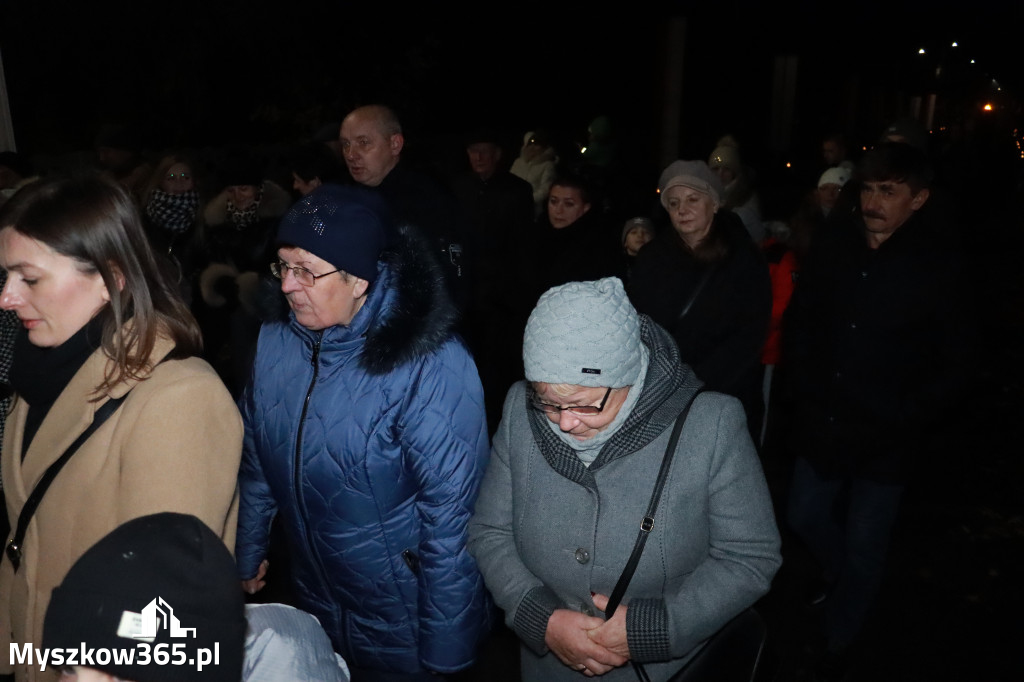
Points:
(94, 222)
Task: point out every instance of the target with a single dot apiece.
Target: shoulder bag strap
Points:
(696, 291)
(14, 546)
(647, 523)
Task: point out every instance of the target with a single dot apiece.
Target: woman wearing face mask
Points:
(573, 466)
(104, 333)
(171, 216)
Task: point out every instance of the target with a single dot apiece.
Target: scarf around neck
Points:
(40, 375)
(173, 212)
(242, 218)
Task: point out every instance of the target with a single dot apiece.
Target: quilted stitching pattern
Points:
(583, 333)
(388, 463)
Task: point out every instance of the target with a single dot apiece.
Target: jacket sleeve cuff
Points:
(647, 630)
(531, 620)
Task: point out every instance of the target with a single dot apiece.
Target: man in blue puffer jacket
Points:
(365, 431)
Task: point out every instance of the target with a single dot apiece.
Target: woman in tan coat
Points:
(101, 322)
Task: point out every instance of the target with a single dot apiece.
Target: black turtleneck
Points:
(39, 375)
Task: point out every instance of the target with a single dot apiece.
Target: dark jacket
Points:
(369, 440)
(877, 342)
(723, 333)
(416, 199)
(499, 213)
(584, 251)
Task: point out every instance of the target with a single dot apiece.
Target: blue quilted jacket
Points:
(370, 442)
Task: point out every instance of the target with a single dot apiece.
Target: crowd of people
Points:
(437, 400)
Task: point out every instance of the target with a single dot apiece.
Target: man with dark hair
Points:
(876, 345)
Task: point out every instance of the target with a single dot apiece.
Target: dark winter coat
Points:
(723, 333)
(877, 341)
(370, 442)
(585, 251)
(499, 212)
(417, 199)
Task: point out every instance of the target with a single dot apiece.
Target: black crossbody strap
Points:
(696, 291)
(647, 523)
(14, 546)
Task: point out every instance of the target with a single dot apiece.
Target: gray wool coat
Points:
(547, 531)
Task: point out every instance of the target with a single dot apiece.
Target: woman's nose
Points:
(567, 420)
(289, 282)
(9, 298)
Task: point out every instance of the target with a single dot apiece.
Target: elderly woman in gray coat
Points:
(572, 469)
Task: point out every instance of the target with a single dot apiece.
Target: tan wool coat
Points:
(173, 445)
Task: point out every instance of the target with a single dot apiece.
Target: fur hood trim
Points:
(419, 316)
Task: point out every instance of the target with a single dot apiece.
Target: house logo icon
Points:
(159, 615)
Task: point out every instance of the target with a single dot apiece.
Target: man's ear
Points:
(395, 144)
(918, 200)
(360, 287)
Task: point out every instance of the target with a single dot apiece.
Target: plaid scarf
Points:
(173, 212)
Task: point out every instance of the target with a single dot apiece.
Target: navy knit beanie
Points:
(346, 226)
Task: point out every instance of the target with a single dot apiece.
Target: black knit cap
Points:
(167, 556)
(347, 226)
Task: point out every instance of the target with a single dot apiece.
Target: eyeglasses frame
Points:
(280, 269)
(548, 408)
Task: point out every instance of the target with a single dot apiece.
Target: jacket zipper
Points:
(297, 474)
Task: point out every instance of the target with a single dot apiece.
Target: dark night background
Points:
(199, 74)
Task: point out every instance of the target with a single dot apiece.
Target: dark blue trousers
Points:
(846, 523)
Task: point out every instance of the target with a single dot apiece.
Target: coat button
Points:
(582, 555)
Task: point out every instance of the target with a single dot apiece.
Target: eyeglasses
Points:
(581, 410)
(303, 276)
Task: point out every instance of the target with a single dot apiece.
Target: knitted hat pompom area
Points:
(584, 334)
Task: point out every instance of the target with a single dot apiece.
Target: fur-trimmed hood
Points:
(418, 316)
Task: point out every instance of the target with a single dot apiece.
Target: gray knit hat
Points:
(693, 174)
(584, 334)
